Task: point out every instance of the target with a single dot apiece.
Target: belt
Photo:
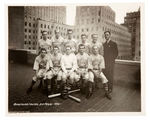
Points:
(95, 69)
(68, 68)
(82, 67)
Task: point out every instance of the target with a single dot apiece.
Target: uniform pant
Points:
(55, 72)
(71, 76)
(100, 75)
(42, 73)
(87, 76)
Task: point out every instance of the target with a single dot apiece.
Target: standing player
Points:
(44, 43)
(57, 40)
(56, 69)
(83, 70)
(69, 67)
(41, 66)
(85, 43)
(70, 41)
(97, 62)
(98, 44)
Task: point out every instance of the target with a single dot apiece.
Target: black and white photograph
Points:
(74, 58)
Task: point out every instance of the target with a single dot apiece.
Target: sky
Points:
(120, 10)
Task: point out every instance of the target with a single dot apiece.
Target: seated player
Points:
(97, 62)
(69, 67)
(83, 70)
(41, 66)
(56, 71)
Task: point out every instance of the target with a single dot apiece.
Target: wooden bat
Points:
(73, 91)
(54, 95)
(74, 98)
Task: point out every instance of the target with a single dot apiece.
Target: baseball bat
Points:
(54, 95)
(74, 98)
(74, 91)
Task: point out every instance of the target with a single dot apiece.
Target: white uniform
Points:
(83, 66)
(97, 62)
(58, 42)
(44, 44)
(41, 66)
(69, 65)
(87, 47)
(56, 69)
(72, 43)
(100, 47)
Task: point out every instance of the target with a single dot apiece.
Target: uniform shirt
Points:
(72, 43)
(100, 46)
(97, 61)
(58, 42)
(69, 61)
(44, 44)
(42, 63)
(56, 59)
(87, 47)
(83, 60)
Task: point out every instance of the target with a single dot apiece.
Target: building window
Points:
(29, 30)
(25, 23)
(48, 26)
(87, 29)
(25, 30)
(29, 48)
(25, 36)
(29, 37)
(41, 25)
(99, 13)
(25, 42)
(98, 19)
(44, 26)
(29, 24)
(29, 42)
(33, 31)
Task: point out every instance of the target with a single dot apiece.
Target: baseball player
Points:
(44, 43)
(41, 66)
(85, 43)
(83, 70)
(98, 44)
(69, 67)
(57, 40)
(70, 41)
(97, 62)
(56, 69)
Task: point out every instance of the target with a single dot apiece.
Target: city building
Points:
(33, 31)
(15, 27)
(55, 14)
(132, 22)
(98, 19)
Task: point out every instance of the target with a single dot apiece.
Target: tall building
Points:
(55, 14)
(98, 19)
(27, 22)
(132, 22)
(34, 32)
(15, 27)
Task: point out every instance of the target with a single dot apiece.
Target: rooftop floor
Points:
(126, 96)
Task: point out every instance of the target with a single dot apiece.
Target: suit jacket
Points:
(110, 53)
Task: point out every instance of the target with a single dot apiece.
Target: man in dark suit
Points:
(110, 54)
